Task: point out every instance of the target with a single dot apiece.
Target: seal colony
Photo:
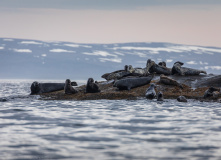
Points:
(155, 81)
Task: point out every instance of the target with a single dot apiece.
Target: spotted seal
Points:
(141, 71)
(159, 69)
(182, 99)
(209, 92)
(116, 74)
(169, 81)
(178, 69)
(129, 83)
(38, 88)
(68, 89)
(150, 92)
(160, 96)
(91, 87)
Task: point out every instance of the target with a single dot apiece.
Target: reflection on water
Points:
(104, 129)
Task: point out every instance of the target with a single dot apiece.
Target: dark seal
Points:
(68, 89)
(160, 96)
(91, 87)
(178, 69)
(38, 88)
(210, 92)
(150, 92)
(129, 83)
(182, 99)
(152, 67)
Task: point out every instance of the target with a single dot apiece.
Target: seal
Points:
(140, 71)
(169, 81)
(150, 92)
(68, 89)
(129, 83)
(160, 96)
(209, 92)
(152, 67)
(38, 88)
(182, 99)
(214, 81)
(178, 69)
(116, 74)
(91, 87)
(163, 64)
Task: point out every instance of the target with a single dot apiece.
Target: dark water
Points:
(105, 129)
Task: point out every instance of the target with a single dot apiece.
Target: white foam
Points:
(1, 47)
(77, 45)
(191, 62)
(213, 67)
(171, 48)
(30, 42)
(60, 50)
(23, 50)
(8, 39)
(117, 60)
(44, 55)
(100, 53)
(169, 60)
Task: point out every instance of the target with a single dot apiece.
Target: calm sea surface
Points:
(33, 129)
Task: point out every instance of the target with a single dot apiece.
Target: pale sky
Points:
(193, 22)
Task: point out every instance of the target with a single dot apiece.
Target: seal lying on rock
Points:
(38, 88)
(209, 92)
(169, 81)
(160, 96)
(91, 86)
(214, 81)
(128, 83)
(178, 69)
(182, 99)
(153, 67)
(68, 89)
(141, 71)
(116, 74)
(150, 92)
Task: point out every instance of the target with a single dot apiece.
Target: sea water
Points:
(105, 129)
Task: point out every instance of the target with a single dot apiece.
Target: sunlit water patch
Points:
(106, 129)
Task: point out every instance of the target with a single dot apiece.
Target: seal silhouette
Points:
(91, 87)
(152, 67)
(210, 92)
(182, 99)
(38, 88)
(169, 81)
(178, 69)
(129, 83)
(160, 96)
(68, 89)
(150, 92)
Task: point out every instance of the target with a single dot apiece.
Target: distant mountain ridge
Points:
(33, 59)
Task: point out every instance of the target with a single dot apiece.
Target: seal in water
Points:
(91, 86)
(159, 69)
(169, 81)
(209, 92)
(182, 99)
(178, 69)
(129, 83)
(160, 96)
(68, 89)
(150, 92)
(38, 88)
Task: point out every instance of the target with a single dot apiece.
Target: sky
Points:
(193, 22)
